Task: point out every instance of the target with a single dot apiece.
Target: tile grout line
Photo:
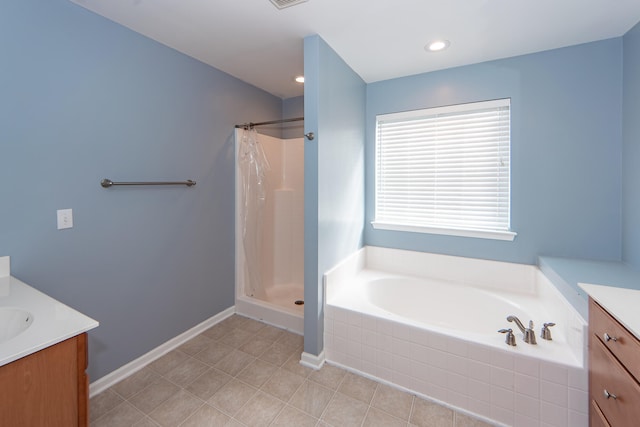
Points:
(291, 397)
(191, 414)
(413, 402)
(264, 392)
(332, 397)
(369, 406)
(333, 393)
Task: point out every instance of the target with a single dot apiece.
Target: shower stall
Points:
(270, 228)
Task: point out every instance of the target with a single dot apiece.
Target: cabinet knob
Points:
(608, 338)
(609, 395)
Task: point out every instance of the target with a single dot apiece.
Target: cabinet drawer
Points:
(608, 376)
(596, 419)
(621, 342)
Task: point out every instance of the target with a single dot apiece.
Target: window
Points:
(445, 170)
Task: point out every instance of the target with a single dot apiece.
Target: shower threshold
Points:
(289, 317)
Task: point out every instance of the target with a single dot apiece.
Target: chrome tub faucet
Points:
(529, 334)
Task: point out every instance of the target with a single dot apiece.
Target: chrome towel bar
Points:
(106, 183)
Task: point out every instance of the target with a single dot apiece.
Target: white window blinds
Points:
(444, 168)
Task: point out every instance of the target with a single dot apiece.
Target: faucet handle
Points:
(545, 333)
(510, 339)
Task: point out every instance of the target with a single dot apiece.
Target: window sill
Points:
(479, 234)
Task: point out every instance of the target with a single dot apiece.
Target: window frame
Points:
(497, 234)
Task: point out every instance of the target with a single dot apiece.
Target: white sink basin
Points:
(13, 321)
(31, 321)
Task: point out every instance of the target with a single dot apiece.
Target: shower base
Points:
(279, 309)
(286, 296)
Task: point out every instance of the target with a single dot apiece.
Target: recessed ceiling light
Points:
(437, 45)
(299, 79)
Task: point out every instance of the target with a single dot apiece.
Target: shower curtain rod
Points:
(272, 122)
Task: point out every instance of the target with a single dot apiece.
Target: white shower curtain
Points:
(253, 167)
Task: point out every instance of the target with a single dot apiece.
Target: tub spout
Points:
(517, 322)
(528, 333)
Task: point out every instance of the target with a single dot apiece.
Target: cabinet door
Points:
(596, 418)
(613, 388)
(620, 342)
(41, 389)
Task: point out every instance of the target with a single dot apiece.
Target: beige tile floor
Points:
(242, 372)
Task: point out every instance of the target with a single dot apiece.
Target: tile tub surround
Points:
(242, 372)
(495, 383)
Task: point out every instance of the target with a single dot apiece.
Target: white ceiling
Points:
(259, 44)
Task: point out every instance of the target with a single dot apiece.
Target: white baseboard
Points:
(312, 361)
(121, 373)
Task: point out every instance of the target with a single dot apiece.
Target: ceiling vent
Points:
(281, 4)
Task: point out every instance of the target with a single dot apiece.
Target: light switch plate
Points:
(65, 218)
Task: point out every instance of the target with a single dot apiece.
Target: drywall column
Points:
(334, 104)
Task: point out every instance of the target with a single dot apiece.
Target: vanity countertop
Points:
(621, 303)
(52, 322)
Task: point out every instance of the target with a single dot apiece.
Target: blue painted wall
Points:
(293, 107)
(83, 99)
(334, 105)
(566, 144)
(631, 149)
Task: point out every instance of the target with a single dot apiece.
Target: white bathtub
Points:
(448, 307)
(428, 323)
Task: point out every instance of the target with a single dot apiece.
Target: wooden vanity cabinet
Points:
(614, 371)
(47, 388)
